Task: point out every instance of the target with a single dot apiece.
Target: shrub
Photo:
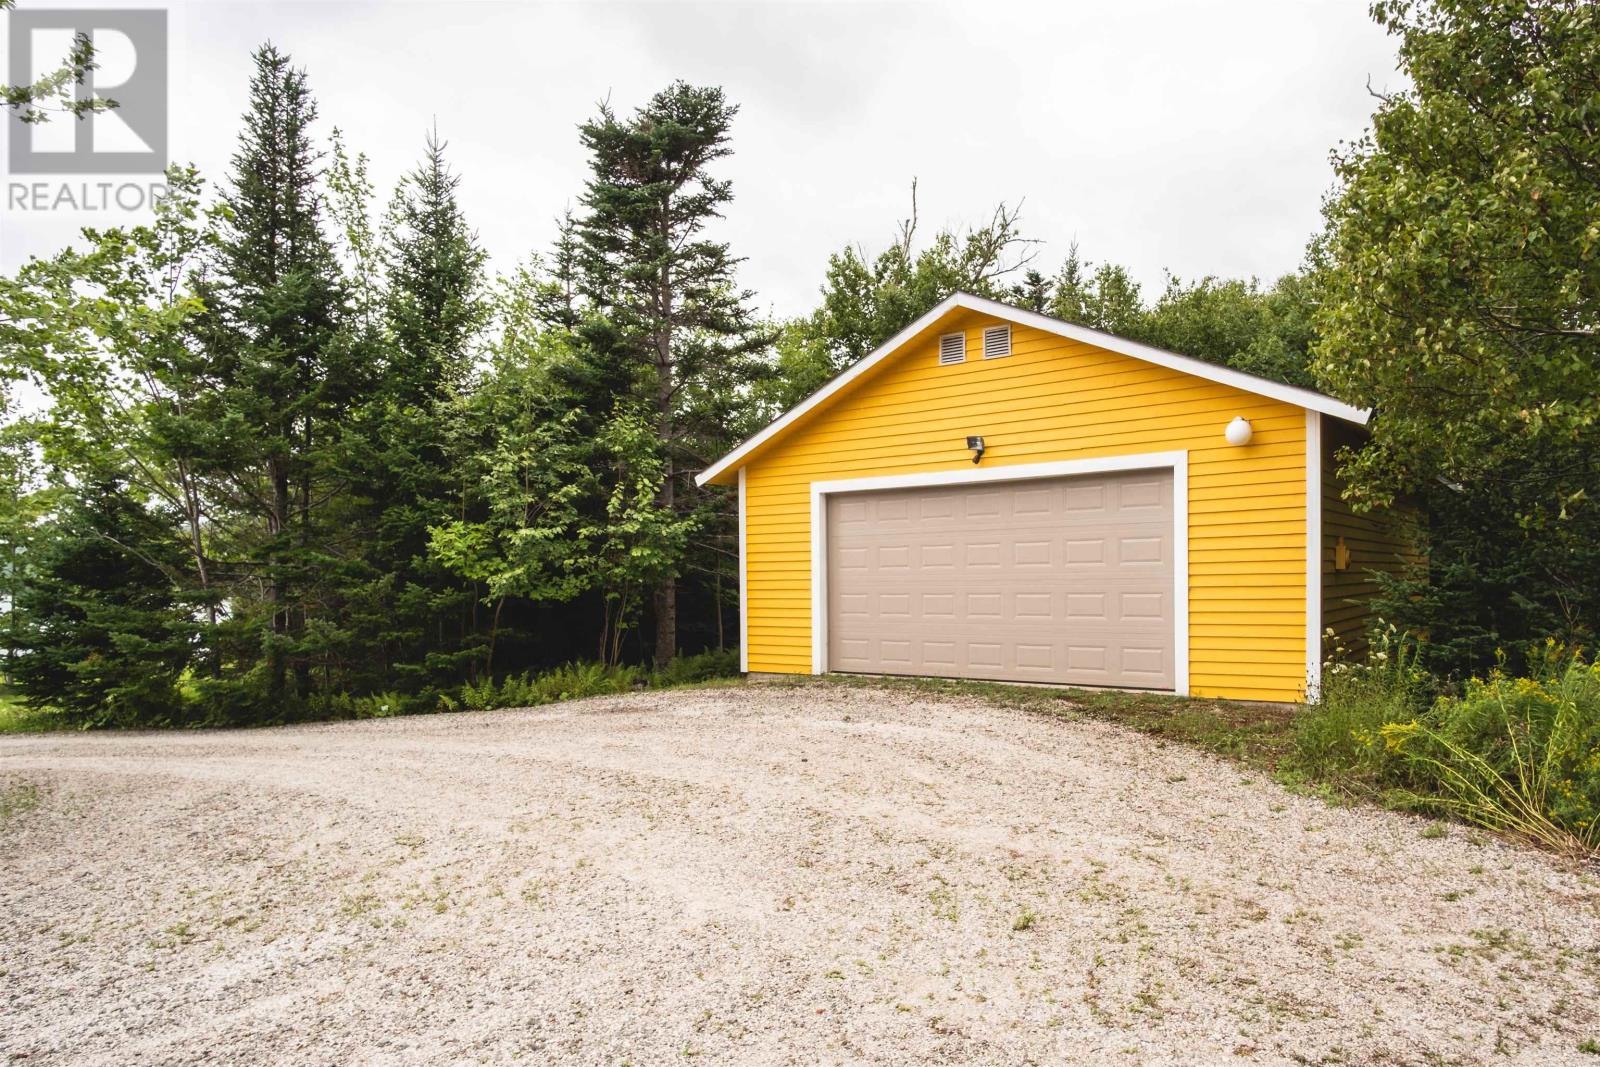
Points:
(570, 681)
(370, 706)
(1520, 756)
(709, 665)
(1335, 738)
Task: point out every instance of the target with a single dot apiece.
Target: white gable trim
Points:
(1199, 368)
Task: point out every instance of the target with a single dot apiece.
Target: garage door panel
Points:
(1067, 580)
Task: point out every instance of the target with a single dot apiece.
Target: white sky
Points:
(1163, 134)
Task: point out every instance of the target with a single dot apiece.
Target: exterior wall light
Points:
(976, 444)
(1238, 431)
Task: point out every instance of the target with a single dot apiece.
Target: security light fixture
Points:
(1238, 431)
(976, 444)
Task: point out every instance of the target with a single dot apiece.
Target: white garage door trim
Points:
(1177, 462)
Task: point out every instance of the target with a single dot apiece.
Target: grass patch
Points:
(19, 718)
(17, 797)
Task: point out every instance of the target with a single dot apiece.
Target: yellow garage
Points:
(1001, 495)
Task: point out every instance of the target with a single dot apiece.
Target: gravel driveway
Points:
(754, 875)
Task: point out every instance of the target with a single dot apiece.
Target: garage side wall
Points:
(1054, 399)
(1376, 541)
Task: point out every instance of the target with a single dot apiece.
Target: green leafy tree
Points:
(868, 299)
(521, 449)
(56, 91)
(1461, 297)
(396, 451)
(350, 192)
(637, 541)
(129, 396)
(1104, 298)
(109, 350)
(1237, 324)
(25, 506)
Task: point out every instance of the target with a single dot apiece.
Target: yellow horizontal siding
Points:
(1382, 541)
(1054, 399)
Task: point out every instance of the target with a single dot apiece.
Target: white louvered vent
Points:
(996, 342)
(952, 349)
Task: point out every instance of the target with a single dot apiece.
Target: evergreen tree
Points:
(286, 372)
(435, 304)
(101, 632)
(668, 311)
(434, 311)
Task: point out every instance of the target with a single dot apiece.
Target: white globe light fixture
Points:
(1238, 431)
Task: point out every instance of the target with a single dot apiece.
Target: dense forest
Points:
(298, 450)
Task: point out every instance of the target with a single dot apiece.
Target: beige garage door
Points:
(1061, 580)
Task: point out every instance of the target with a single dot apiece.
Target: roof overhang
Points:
(1199, 368)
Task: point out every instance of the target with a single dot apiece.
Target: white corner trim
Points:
(1249, 383)
(819, 580)
(1180, 573)
(744, 584)
(1313, 556)
(1176, 461)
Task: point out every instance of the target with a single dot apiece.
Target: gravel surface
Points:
(754, 875)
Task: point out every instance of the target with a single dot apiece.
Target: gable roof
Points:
(1199, 368)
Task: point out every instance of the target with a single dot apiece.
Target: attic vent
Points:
(996, 342)
(952, 349)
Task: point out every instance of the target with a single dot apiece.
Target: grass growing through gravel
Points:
(1261, 736)
(1519, 757)
(17, 797)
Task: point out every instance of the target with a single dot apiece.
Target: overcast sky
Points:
(1180, 135)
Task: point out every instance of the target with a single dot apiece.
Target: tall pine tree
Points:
(413, 617)
(668, 313)
(286, 371)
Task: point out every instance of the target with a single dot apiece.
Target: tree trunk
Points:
(666, 600)
(193, 511)
(277, 667)
(494, 633)
(302, 666)
(666, 592)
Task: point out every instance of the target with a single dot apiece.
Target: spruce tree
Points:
(434, 311)
(435, 303)
(102, 632)
(286, 372)
(669, 315)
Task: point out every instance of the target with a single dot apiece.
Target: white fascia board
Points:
(841, 380)
(1199, 368)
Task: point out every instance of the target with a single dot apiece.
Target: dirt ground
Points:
(755, 875)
